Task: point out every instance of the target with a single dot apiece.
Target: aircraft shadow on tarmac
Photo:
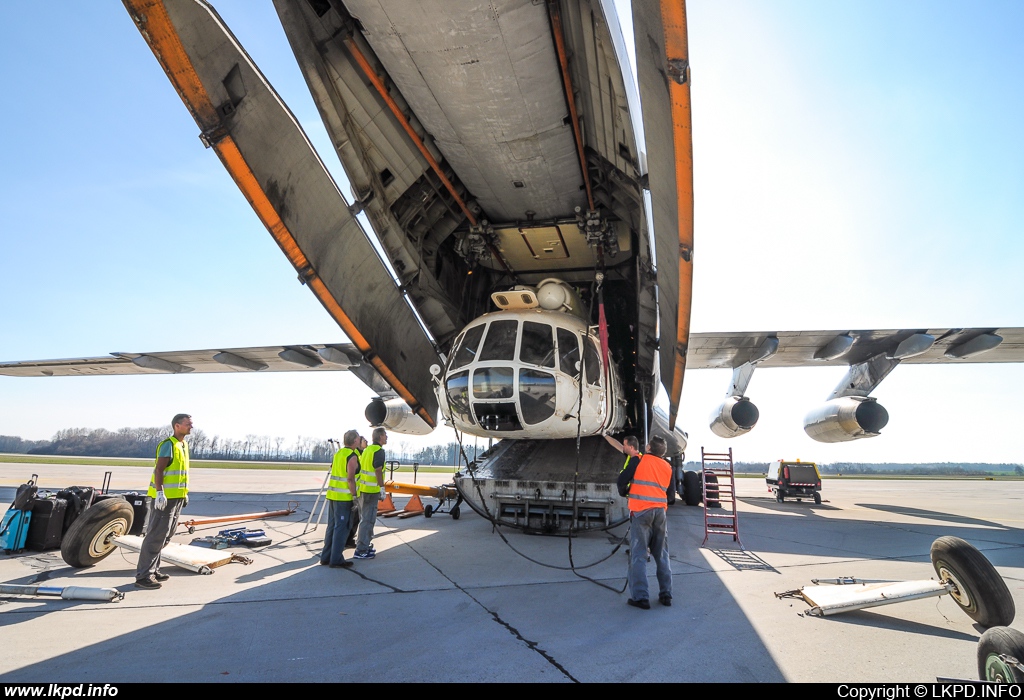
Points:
(444, 600)
(455, 604)
(804, 528)
(933, 515)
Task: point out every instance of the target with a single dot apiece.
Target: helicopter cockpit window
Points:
(592, 361)
(568, 351)
(538, 347)
(457, 387)
(536, 395)
(492, 383)
(467, 347)
(501, 341)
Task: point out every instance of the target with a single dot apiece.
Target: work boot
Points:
(161, 576)
(148, 583)
(643, 603)
(665, 600)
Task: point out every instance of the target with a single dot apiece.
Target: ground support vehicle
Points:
(797, 480)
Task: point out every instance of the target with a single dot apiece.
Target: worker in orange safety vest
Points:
(645, 486)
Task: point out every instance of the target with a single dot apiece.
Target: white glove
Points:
(161, 500)
(383, 495)
(185, 504)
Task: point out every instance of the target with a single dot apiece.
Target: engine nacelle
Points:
(736, 416)
(675, 440)
(845, 419)
(395, 414)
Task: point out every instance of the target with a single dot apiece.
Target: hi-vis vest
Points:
(367, 481)
(626, 463)
(337, 487)
(649, 484)
(176, 473)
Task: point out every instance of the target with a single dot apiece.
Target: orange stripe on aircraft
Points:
(673, 20)
(382, 90)
(563, 62)
(153, 21)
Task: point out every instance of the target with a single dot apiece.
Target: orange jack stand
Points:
(386, 506)
(412, 508)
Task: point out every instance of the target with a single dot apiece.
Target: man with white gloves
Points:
(169, 490)
(371, 491)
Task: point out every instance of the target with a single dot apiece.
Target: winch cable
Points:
(598, 291)
(495, 523)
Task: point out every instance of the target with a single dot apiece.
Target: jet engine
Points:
(736, 416)
(847, 418)
(395, 414)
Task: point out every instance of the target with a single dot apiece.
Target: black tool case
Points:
(47, 525)
(78, 498)
(139, 503)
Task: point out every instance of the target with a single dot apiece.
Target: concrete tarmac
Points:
(448, 600)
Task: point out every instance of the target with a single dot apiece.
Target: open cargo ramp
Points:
(522, 483)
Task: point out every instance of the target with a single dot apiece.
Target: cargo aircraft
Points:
(530, 271)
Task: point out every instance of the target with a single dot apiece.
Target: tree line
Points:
(142, 442)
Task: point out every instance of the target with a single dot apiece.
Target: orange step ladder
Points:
(719, 482)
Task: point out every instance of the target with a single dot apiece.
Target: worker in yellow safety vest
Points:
(168, 493)
(371, 492)
(630, 447)
(341, 489)
(645, 486)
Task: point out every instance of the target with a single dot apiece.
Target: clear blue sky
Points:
(857, 165)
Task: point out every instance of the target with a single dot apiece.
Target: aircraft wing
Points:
(851, 347)
(664, 75)
(265, 151)
(279, 358)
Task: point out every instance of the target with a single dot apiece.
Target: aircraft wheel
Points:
(817, 498)
(89, 539)
(711, 487)
(978, 588)
(456, 513)
(428, 511)
(691, 488)
(994, 643)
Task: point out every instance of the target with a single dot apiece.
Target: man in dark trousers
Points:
(341, 490)
(168, 491)
(371, 490)
(645, 485)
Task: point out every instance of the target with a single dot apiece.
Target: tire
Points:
(691, 488)
(978, 588)
(456, 513)
(996, 641)
(779, 498)
(711, 486)
(88, 540)
(817, 498)
(428, 511)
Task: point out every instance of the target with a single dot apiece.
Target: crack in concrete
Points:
(533, 646)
